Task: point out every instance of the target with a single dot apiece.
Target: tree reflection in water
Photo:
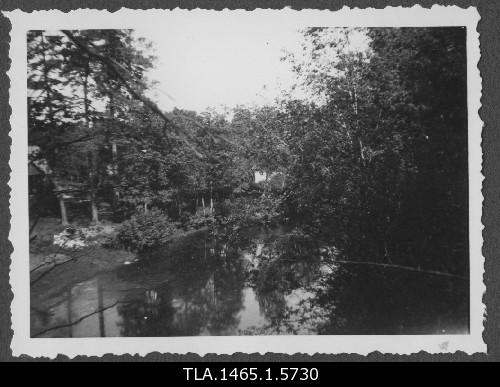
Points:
(197, 285)
(200, 291)
(394, 302)
(301, 290)
(258, 281)
(289, 276)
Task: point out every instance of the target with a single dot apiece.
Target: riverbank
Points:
(262, 281)
(54, 268)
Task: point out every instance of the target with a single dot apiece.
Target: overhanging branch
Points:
(117, 70)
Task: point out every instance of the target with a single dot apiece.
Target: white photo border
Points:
(417, 16)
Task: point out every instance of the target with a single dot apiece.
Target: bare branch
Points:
(56, 264)
(50, 269)
(34, 224)
(117, 70)
(401, 267)
(76, 321)
(391, 266)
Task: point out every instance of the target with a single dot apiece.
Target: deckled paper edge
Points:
(22, 344)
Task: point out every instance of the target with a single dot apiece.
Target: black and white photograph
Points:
(208, 176)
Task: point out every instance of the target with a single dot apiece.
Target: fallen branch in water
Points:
(401, 267)
(46, 263)
(76, 321)
(32, 227)
(54, 265)
(50, 269)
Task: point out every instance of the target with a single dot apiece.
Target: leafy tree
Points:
(429, 65)
(76, 106)
(378, 156)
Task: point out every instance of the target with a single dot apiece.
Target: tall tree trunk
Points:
(95, 210)
(114, 150)
(211, 200)
(114, 156)
(48, 92)
(90, 155)
(92, 188)
(62, 207)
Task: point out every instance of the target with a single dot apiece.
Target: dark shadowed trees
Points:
(379, 161)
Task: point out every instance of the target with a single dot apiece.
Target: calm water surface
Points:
(263, 282)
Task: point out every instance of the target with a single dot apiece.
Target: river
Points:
(264, 282)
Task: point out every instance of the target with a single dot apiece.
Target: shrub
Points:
(247, 211)
(145, 231)
(199, 220)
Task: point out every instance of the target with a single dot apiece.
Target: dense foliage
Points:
(145, 231)
(381, 165)
(375, 161)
